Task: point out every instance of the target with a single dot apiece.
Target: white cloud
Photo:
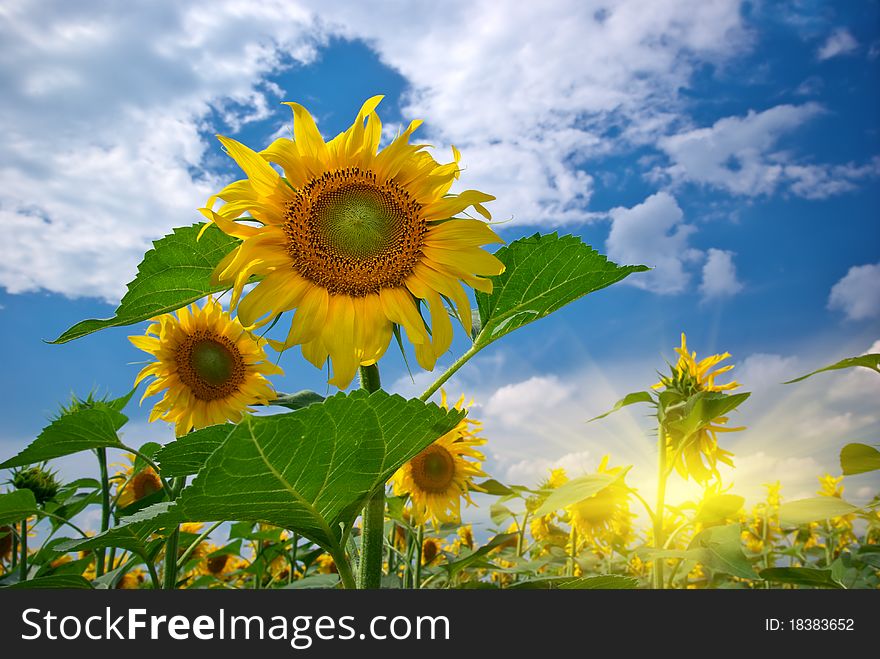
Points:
(741, 156)
(653, 233)
(106, 108)
(736, 153)
(839, 42)
(514, 403)
(857, 294)
(719, 275)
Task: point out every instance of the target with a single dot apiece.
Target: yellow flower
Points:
(691, 376)
(211, 368)
(762, 527)
(355, 240)
(6, 534)
(557, 478)
(430, 550)
(132, 580)
(603, 520)
(440, 476)
(697, 454)
(132, 487)
(464, 539)
(840, 527)
(326, 564)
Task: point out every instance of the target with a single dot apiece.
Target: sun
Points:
(355, 240)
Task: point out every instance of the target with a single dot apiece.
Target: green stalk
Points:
(461, 361)
(170, 582)
(154, 577)
(343, 568)
(572, 540)
(293, 557)
(14, 561)
(373, 540)
(105, 508)
(22, 565)
(662, 476)
(420, 541)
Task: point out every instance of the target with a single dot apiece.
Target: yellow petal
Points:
(264, 179)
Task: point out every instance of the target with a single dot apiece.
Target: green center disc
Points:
(212, 362)
(357, 221)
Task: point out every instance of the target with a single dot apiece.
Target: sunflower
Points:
(697, 454)
(438, 477)
(132, 487)
(355, 240)
(762, 528)
(603, 520)
(212, 369)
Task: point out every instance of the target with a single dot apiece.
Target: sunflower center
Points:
(216, 564)
(353, 235)
(210, 365)
(433, 470)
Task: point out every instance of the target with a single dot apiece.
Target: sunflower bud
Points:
(38, 480)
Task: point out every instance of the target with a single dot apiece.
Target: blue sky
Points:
(733, 146)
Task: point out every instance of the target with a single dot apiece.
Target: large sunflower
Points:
(353, 239)
(211, 368)
(440, 476)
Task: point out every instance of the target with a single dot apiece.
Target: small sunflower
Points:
(440, 476)
(355, 240)
(697, 454)
(6, 535)
(132, 487)
(211, 368)
(603, 520)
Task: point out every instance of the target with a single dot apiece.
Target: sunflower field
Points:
(350, 249)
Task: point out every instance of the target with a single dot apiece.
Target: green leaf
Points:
(814, 509)
(311, 470)
(719, 507)
(188, 454)
(499, 513)
(55, 581)
(87, 428)
(801, 576)
(176, 272)
(720, 548)
(702, 408)
(15, 506)
(149, 450)
(871, 361)
(574, 491)
(298, 400)
(629, 399)
(109, 579)
(493, 487)
(314, 581)
(601, 582)
(476, 556)
(859, 459)
(134, 533)
(543, 273)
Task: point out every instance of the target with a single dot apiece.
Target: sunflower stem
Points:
(373, 538)
(662, 475)
(154, 577)
(100, 555)
(170, 581)
(343, 568)
(420, 551)
(22, 564)
(449, 372)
